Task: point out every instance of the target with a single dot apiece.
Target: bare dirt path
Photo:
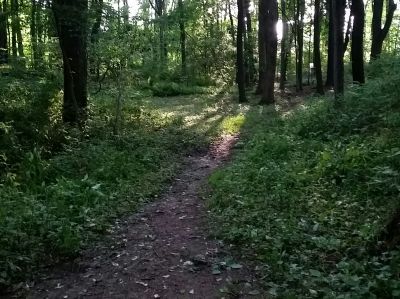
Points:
(162, 252)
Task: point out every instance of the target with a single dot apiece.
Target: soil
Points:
(164, 251)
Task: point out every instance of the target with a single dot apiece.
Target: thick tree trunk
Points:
(357, 41)
(240, 77)
(182, 30)
(71, 21)
(269, 11)
(338, 9)
(3, 33)
(378, 33)
(317, 45)
(284, 47)
(300, 10)
(331, 46)
(261, 52)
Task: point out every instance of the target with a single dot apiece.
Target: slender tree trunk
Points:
(240, 78)
(17, 43)
(3, 33)
(357, 41)
(317, 45)
(14, 49)
(284, 46)
(94, 36)
(378, 33)
(232, 26)
(300, 43)
(250, 70)
(71, 21)
(338, 9)
(33, 32)
(269, 10)
(19, 31)
(331, 47)
(182, 30)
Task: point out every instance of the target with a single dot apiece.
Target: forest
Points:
(200, 149)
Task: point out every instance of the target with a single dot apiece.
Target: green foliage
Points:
(51, 207)
(30, 115)
(171, 89)
(311, 192)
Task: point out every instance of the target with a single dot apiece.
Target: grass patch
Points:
(311, 192)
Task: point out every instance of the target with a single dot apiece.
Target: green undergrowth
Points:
(309, 195)
(53, 203)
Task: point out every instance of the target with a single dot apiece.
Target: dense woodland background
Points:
(99, 100)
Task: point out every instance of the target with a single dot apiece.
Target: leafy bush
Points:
(311, 193)
(171, 89)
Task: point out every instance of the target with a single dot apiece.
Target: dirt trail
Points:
(162, 252)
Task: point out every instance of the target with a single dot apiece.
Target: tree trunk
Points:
(34, 34)
(14, 49)
(338, 9)
(317, 45)
(240, 78)
(261, 52)
(357, 41)
(378, 33)
(71, 20)
(3, 33)
(182, 30)
(300, 42)
(331, 47)
(284, 47)
(348, 33)
(17, 43)
(232, 26)
(269, 11)
(97, 7)
(250, 70)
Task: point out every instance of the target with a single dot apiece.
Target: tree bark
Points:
(378, 33)
(17, 42)
(232, 26)
(331, 46)
(182, 30)
(3, 33)
(317, 45)
(357, 41)
(269, 12)
(71, 21)
(338, 9)
(300, 10)
(250, 70)
(284, 47)
(261, 51)
(240, 78)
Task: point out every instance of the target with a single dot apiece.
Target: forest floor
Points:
(166, 248)
(163, 251)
